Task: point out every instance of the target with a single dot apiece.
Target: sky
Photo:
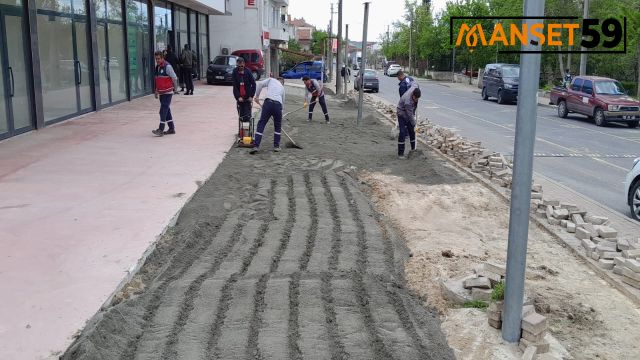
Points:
(382, 13)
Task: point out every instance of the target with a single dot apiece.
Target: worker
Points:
(407, 118)
(405, 82)
(567, 78)
(244, 88)
(166, 85)
(345, 73)
(315, 92)
(273, 105)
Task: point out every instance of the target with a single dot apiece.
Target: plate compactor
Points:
(246, 129)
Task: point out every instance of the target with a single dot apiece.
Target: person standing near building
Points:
(346, 73)
(172, 59)
(244, 88)
(405, 82)
(315, 92)
(186, 59)
(166, 85)
(406, 118)
(273, 105)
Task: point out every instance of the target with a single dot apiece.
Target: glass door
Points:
(139, 46)
(15, 108)
(65, 65)
(110, 32)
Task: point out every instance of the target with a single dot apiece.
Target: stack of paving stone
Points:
(477, 286)
(534, 326)
(628, 266)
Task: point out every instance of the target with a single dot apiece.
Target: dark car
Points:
(312, 69)
(370, 81)
(253, 60)
(220, 69)
(501, 82)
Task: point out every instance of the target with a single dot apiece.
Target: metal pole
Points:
(453, 66)
(346, 57)
(522, 174)
(339, 51)
(331, 44)
(362, 62)
(583, 56)
(410, 38)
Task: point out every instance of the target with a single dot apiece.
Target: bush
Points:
(498, 292)
(475, 304)
(631, 87)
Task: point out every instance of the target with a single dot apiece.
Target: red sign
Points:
(250, 3)
(265, 35)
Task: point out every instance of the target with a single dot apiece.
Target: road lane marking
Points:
(637, 141)
(537, 138)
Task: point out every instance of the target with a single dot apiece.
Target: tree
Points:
(319, 42)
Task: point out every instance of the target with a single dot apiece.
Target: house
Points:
(303, 32)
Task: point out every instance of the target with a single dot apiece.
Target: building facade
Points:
(252, 24)
(303, 32)
(63, 58)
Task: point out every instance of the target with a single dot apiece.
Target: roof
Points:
(301, 23)
(594, 78)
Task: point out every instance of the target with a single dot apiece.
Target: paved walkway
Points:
(81, 201)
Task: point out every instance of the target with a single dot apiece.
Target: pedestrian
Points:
(567, 78)
(405, 82)
(186, 59)
(244, 88)
(273, 105)
(346, 73)
(166, 85)
(172, 59)
(315, 92)
(406, 118)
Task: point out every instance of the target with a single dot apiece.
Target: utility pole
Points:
(583, 56)
(410, 38)
(338, 51)
(522, 173)
(362, 62)
(331, 44)
(346, 57)
(453, 65)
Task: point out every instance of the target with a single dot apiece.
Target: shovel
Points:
(298, 109)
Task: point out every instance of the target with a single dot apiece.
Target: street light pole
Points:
(362, 62)
(338, 51)
(346, 57)
(522, 175)
(583, 56)
(331, 44)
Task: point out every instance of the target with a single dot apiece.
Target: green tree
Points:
(318, 42)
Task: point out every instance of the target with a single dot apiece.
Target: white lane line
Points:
(537, 138)
(637, 141)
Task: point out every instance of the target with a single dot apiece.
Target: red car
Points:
(600, 98)
(253, 60)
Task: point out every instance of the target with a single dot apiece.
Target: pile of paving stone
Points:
(534, 328)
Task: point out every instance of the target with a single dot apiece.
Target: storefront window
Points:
(162, 25)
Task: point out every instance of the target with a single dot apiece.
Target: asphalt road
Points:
(573, 151)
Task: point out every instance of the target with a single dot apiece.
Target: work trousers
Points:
(187, 76)
(323, 105)
(406, 128)
(165, 111)
(244, 109)
(269, 109)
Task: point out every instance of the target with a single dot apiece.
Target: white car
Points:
(393, 69)
(632, 189)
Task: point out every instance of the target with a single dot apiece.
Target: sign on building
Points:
(250, 4)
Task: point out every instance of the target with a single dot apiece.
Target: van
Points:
(253, 60)
(312, 69)
(501, 82)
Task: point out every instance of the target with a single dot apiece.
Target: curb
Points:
(632, 294)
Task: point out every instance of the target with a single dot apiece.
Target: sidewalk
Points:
(82, 201)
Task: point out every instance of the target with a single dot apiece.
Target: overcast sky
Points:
(381, 14)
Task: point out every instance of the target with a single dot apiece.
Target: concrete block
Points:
(495, 268)
(608, 255)
(563, 223)
(571, 227)
(529, 353)
(633, 265)
(569, 207)
(497, 324)
(454, 292)
(588, 245)
(534, 323)
(553, 221)
(493, 278)
(495, 316)
(551, 202)
(595, 256)
(607, 243)
(606, 264)
(596, 220)
(631, 274)
(536, 196)
(541, 347)
(607, 232)
(617, 269)
(581, 233)
(495, 306)
(578, 212)
(536, 188)
(577, 219)
(619, 260)
(623, 244)
(536, 338)
(561, 214)
(479, 282)
(549, 211)
(631, 254)
(541, 213)
(481, 294)
(591, 228)
(629, 281)
(495, 165)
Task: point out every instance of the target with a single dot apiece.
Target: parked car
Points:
(312, 69)
(601, 98)
(632, 189)
(220, 69)
(253, 60)
(393, 69)
(370, 81)
(501, 82)
(387, 64)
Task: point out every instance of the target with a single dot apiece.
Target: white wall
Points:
(239, 31)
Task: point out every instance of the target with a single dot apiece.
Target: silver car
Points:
(632, 189)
